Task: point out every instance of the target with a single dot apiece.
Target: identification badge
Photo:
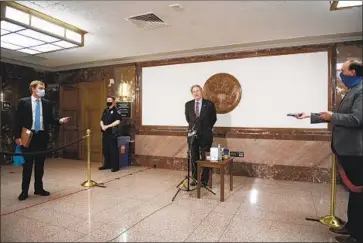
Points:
(111, 112)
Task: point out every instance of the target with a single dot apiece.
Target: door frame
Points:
(83, 121)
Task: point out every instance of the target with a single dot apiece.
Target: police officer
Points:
(110, 120)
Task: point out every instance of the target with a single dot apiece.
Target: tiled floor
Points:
(136, 206)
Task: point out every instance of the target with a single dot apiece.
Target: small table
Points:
(221, 165)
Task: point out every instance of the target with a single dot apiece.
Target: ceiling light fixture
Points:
(337, 5)
(28, 31)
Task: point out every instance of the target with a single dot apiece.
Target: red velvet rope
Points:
(347, 182)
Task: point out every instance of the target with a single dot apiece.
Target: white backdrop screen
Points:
(271, 87)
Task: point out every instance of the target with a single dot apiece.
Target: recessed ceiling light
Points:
(4, 32)
(29, 51)
(64, 44)
(19, 16)
(37, 35)
(5, 25)
(9, 46)
(46, 48)
(23, 29)
(20, 40)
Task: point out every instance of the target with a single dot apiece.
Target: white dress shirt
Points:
(33, 99)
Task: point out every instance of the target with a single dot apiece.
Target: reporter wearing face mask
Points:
(109, 121)
(347, 145)
(36, 114)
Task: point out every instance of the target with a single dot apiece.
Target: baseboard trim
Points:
(276, 172)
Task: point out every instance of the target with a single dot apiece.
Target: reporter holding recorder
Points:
(34, 114)
(347, 145)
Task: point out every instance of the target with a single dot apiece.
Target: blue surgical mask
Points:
(350, 81)
(41, 92)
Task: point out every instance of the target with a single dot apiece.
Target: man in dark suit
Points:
(347, 145)
(34, 114)
(201, 116)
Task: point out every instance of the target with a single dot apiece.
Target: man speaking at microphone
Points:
(201, 116)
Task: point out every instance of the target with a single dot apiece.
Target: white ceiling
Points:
(202, 27)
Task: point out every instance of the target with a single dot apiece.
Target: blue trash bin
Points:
(123, 144)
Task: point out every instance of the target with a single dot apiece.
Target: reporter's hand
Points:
(302, 115)
(64, 120)
(326, 115)
(18, 141)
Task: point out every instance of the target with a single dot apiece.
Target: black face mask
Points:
(108, 104)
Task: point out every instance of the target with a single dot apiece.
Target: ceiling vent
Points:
(45, 4)
(147, 21)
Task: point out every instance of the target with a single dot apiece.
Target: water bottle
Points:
(219, 152)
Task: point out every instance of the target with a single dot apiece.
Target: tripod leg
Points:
(176, 194)
(209, 190)
(180, 183)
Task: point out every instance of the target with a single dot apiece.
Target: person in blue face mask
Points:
(347, 145)
(35, 114)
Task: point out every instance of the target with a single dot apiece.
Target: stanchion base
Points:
(89, 184)
(331, 221)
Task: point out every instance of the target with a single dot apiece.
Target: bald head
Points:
(352, 68)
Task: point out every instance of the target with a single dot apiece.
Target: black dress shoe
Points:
(340, 231)
(205, 184)
(42, 193)
(114, 170)
(102, 168)
(23, 196)
(346, 239)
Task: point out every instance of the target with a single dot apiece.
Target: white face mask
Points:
(40, 92)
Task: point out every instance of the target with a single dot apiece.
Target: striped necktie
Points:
(197, 109)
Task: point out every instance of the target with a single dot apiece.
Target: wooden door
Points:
(69, 106)
(92, 100)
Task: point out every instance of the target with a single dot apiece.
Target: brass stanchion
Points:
(89, 182)
(331, 220)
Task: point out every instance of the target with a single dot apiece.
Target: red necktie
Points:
(197, 109)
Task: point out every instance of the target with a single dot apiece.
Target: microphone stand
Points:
(192, 135)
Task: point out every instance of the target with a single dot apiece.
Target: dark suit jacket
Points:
(347, 134)
(24, 116)
(207, 118)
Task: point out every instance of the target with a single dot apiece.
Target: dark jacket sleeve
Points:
(353, 119)
(213, 114)
(315, 118)
(186, 112)
(18, 119)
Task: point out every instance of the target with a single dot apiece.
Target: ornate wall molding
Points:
(241, 132)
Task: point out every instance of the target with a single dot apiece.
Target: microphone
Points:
(192, 133)
(296, 115)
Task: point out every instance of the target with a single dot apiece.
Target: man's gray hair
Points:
(195, 86)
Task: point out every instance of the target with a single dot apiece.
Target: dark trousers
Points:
(110, 151)
(38, 143)
(198, 149)
(353, 167)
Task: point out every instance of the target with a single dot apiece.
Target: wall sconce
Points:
(124, 91)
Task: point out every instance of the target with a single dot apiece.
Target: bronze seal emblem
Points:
(224, 91)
